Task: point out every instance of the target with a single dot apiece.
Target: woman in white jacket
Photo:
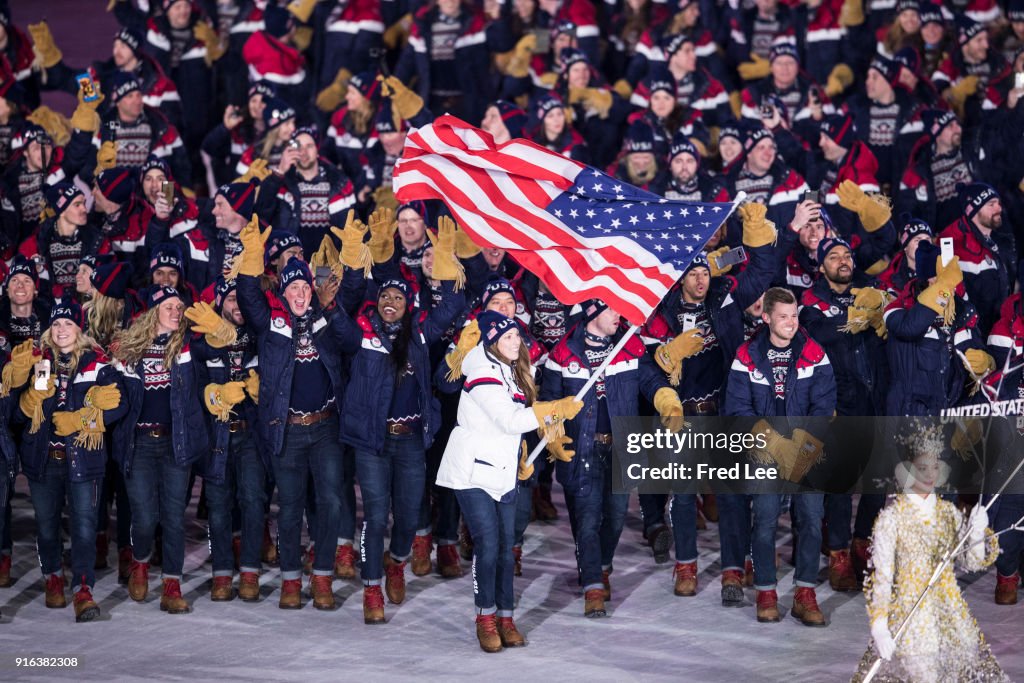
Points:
(482, 461)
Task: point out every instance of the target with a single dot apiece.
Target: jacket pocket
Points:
(487, 476)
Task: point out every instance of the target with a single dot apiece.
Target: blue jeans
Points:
(390, 482)
(311, 451)
(683, 510)
(1009, 509)
(839, 514)
(809, 509)
(244, 479)
(6, 492)
(597, 517)
(347, 523)
(524, 509)
(158, 491)
(48, 497)
(491, 523)
(734, 529)
(113, 487)
(652, 510)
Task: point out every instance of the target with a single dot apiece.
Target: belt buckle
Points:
(306, 420)
(234, 427)
(58, 456)
(394, 429)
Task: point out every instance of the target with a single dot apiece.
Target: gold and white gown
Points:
(942, 641)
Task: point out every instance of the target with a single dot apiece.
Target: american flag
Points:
(584, 233)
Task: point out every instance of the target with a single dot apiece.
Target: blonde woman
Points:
(163, 433)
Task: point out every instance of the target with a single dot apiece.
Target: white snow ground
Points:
(651, 634)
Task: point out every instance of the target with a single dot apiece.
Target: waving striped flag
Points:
(583, 233)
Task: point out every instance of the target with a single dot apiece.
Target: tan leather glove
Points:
(397, 33)
(252, 386)
(713, 262)
(85, 117)
(257, 169)
(205, 33)
(966, 435)
(384, 198)
(783, 452)
(518, 65)
(670, 355)
(670, 408)
(557, 449)
(18, 368)
(446, 266)
(103, 397)
(758, 67)
(332, 97)
(525, 471)
(939, 296)
(869, 298)
(405, 104)
(852, 13)
(382, 235)
(758, 231)
(469, 337)
(106, 157)
(465, 247)
(219, 332)
(958, 93)
(221, 398)
(56, 125)
(593, 99)
(43, 45)
(250, 261)
(66, 423)
(979, 362)
(623, 88)
(873, 210)
(327, 256)
(557, 411)
(810, 450)
(31, 402)
(354, 252)
(838, 80)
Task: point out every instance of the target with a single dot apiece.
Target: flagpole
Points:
(633, 329)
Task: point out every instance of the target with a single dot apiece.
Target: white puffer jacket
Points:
(483, 451)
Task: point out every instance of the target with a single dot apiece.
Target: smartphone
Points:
(1018, 80)
(731, 258)
(766, 111)
(167, 188)
(543, 37)
(814, 95)
(812, 196)
(88, 88)
(689, 321)
(323, 274)
(293, 143)
(42, 374)
(946, 247)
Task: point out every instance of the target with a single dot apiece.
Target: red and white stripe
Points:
(498, 194)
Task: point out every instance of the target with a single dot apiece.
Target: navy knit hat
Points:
(158, 295)
(417, 205)
(931, 13)
(699, 261)
(1015, 10)
(828, 244)
(112, 279)
(262, 88)
(367, 85)
(658, 78)
(912, 227)
(22, 265)
(966, 29)
(68, 309)
(493, 325)
(639, 137)
(513, 117)
(61, 195)
(546, 104)
(935, 121)
(925, 258)
(384, 121)
(570, 56)
(280, 241)
(276, 112)
(221, 288)
(682, 145)
(94, 261)
(974, 196)
(297, 269)
(123, 84)
(904, 5)
(907, 58)
(731, 130)
(593, 308)
(783, 50)
(32, 132)
(154, 163)
(889, 69)
(840, 128)
(277, 20)
(117, 184)
(167, 255)
(495, 286)
(674, 43)
(754, 135)
(131, 38)
(563, 26)
(241, 196)
(399, 284)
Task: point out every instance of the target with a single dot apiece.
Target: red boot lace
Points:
(808, 597)
(488, 623)
(767, 599)
(373, 597)
(172, 589)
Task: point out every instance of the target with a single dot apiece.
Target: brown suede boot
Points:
(394, 579)
(222, 590)
(307, 563)
(767, 607)
(420, 562)
(448, 564)
(860, 553)
(487, 633)
(291, 594)
(509, 634)
(172, 601)
(748, 572)
(124, 564)
(732, 588)
(686, 579)
(322, 591)
(86, 608)
(593, 604)
(269, 552)
(606, 579)
(55, 591)
(373, 605)
(805, 607)
(543, 508)
(249, 586)
(465, 542)
(138, 581)
(102, 549)
(1006, 589)
(840, 572)
(345, 562)
(5, 571)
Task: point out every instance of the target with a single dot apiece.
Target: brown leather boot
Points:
(606, 579)
(420, 562)
(249, 586)
(138, 581)
(840, 572)
(307, 564)
(543, 508)
(748, 573)
(291, 594)
(5, 571)
(517, 560)
(269, 552)
(1006, 589)
(86, 608)
(448, 564)
(102, 549)
(55, 591)
(660, 540)
(172, 601)
(322, 591)
(685, 575)
(394, 579)
(732, 588)
(222, 590)
(593, 603)
(373, 605)
(487, 633)
(509, 634)
(860, 553)
(465, 542)
(345, 562)
(767, 607)
(805, 607)
(124, 564)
